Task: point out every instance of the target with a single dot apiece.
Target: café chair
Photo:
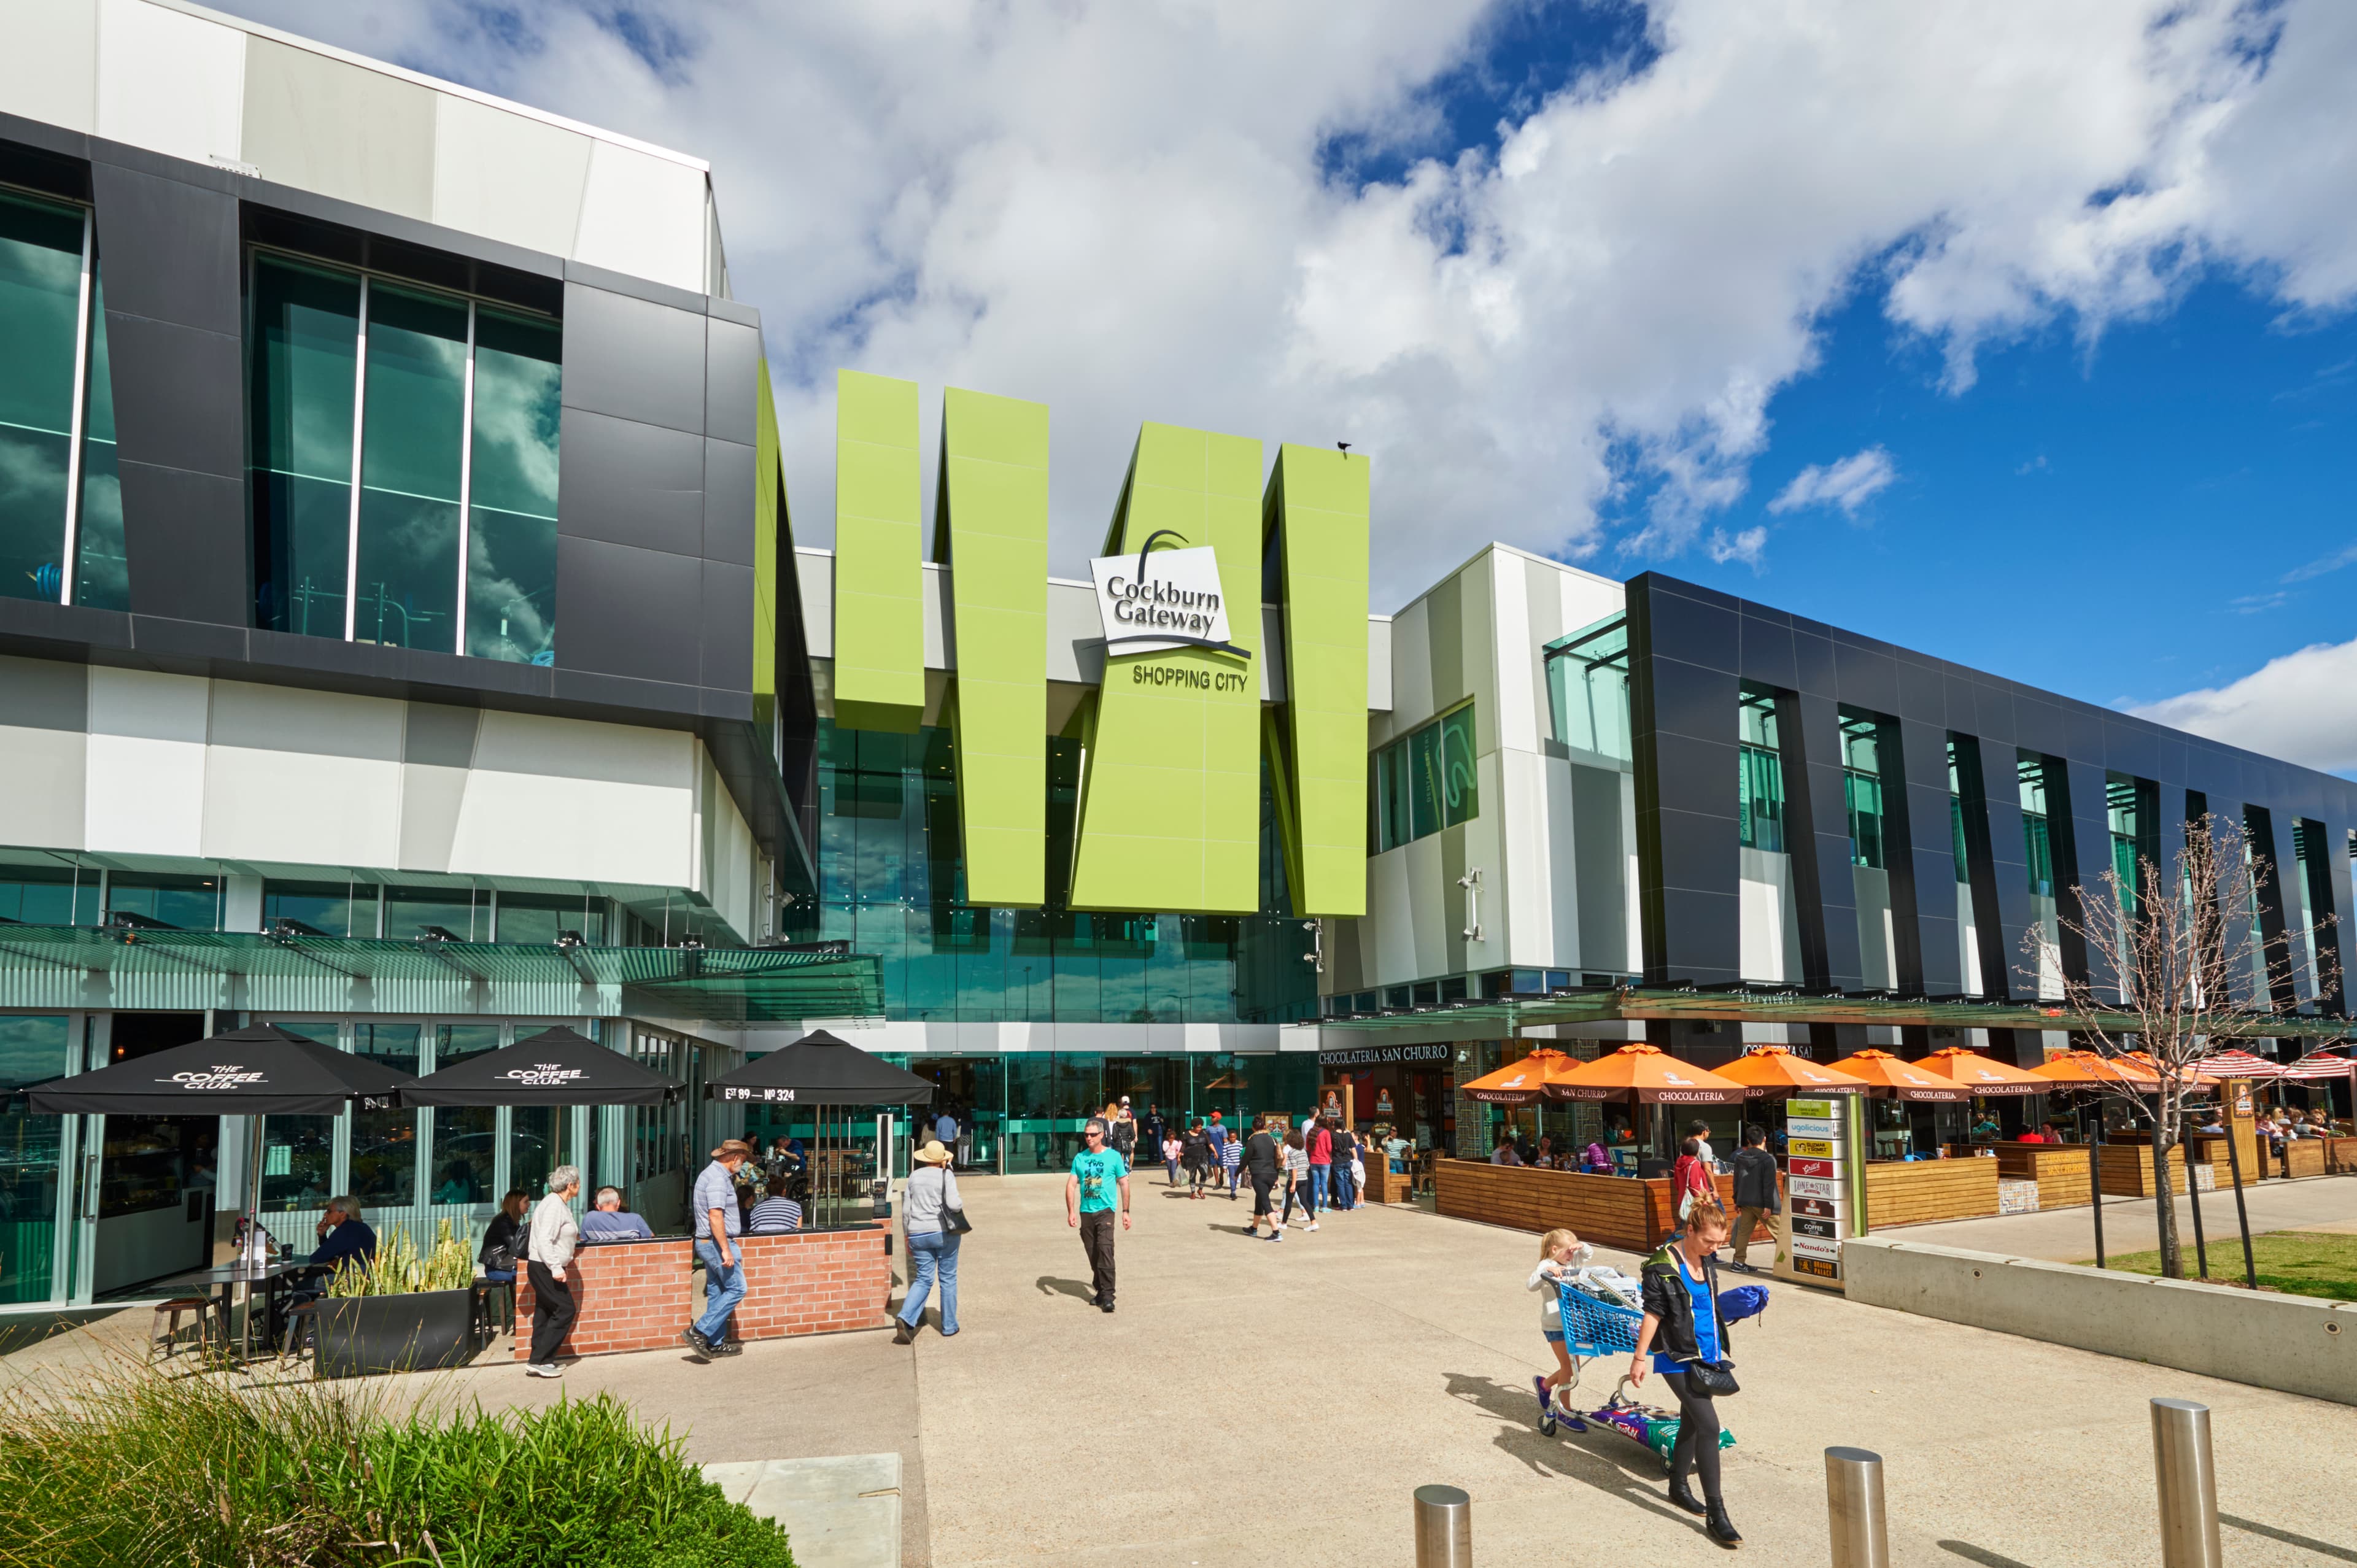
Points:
(170, 1339)
(301, 1332)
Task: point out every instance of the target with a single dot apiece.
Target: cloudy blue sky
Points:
(2022, 335)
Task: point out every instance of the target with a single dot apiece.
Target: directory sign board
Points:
(1823, 1186)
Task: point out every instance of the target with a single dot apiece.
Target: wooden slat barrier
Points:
(2339, 1155)
(1612, 1211)
(1918, 1192)
(2127, 1169)
(2302, 1157)
(1384, 1183)
(2059, 1169)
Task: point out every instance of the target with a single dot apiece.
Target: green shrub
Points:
(139, 1468)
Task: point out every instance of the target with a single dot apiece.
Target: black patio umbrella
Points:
(821, 1070)
(258, 1071)
(556, 1066)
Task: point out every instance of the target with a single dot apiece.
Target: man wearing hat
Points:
(1099, 1174)
(718, 1222)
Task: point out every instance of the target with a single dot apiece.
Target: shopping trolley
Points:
(1591, 1327)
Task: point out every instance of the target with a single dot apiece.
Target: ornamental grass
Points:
(136, 1467)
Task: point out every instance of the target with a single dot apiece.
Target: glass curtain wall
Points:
(32, 1049)
(1424, 781)
(1862, 789)
(892, 884)
(1760, 774)
(60, 508)
(404, 467)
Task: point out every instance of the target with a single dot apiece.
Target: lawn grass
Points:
(2296, 1262)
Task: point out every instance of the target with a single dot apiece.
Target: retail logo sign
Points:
(1373, 1055)
(767, 1096)
(546, 1075)
(232, 1075)
(1155, 601)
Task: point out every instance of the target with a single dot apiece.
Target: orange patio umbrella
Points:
(2092, 1067)
(1981, 1075)
(1775, 1069)
(1888, 1076)
(1647, 1075)
(1521, 1082)
(2193, 1076)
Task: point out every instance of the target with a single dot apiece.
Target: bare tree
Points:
(2182, 970)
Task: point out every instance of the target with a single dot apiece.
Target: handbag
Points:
(954, 1221)
(1713, 1379)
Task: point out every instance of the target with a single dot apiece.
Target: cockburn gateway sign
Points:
(1157, 600)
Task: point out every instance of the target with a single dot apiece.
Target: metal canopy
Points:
(1515, 1014)
(88, 966)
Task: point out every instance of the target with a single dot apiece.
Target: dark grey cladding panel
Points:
(1699, 851)
(44, 630)
(715, 703)
(1865, 677)
(2083, 733)
(1702, 937)
(733, 310)
(2037, 727)
(727, 627)
(1998, 722)
(732, 358)
(634, 288)
(2131, 748)
(1698, 633)
(1812, 657)
(437, 736)
(1961, 700)
(184, 642)
(627, 697)
(2170, 759)
(1697, 775)
(623, 611)
(1767, 656)
(728, 488)
(44, 694)
(1922, 694)
(184, 536)
(630, 483)
(178, 395)
(1689, 699)
(633, 358)
(167, 248)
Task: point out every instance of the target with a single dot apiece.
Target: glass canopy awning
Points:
(145, 967)
(1497, 1016)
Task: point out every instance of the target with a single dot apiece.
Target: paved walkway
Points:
(2132, 1224)
(1251, 1400)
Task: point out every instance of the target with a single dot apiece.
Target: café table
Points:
(222, 1281)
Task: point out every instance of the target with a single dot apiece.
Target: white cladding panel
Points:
(49, 71)
(643, 214)
(508, 177)
(170, 83)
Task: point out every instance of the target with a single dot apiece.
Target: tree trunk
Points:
(2164, 1127)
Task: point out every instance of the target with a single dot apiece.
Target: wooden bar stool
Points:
(170, 1311)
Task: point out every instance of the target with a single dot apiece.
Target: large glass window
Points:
(540, 916)
(48, 896)
(384, 1142)
(1426, 780)
(2037, 841)
(451, 542)
(54, 402)
(183, 903)
(32, 1050)
(1760, 774)
(1862, 789)
(412, 912)
(320, 909)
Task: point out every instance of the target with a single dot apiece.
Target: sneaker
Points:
(1545, 1393)
(1311, 1226)
(543, 1370)
(905, 1334)
(697, 1349)
(1278, 1234)
(729, 1348)
(1107, 1305)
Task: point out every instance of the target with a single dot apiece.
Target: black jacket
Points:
(1755, 1180)
(1666, 1298)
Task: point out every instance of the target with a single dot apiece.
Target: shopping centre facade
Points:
(403, 639)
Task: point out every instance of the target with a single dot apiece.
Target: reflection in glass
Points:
(512, 491)
(48, 897)
(102, 570)
(466, 1146)
(40, 306)
(538, 916)
(306, 344)
(460, 911)
(412, 420)
(183, 903)
(299, 1158)
(384, 1142)
(32, 1049)
(321, 908)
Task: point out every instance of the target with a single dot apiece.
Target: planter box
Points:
(1923, 1192)
(359, 1336)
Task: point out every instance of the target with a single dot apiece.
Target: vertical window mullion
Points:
(360, 432)
(78, 417)
(466, 479)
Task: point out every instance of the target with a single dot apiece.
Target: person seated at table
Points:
(607, 1220)
(2212, 1122)
(1544, 1158)
(2056, 1133)
(785, 1154)
(1599, 1159)
(782, 1211)
(1396, 1149)
(1504, 1155)
(504, 1240)
(458, 1184)
(344, 1237)
(1985, 1128)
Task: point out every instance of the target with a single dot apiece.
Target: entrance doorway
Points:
(973, 1090)
(152, 1214)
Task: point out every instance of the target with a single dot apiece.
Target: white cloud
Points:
(1848, 484)
(1745, 546)
(1120, 209)
(2296, 707)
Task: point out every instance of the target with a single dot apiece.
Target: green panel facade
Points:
(1316, 509)
(1170, 799)
(879, 626)
(993, 533)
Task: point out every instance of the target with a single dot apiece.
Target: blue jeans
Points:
(932, 1254)
(724, 1287)
(1318, 1195)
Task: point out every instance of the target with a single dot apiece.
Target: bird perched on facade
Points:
(1343, 447)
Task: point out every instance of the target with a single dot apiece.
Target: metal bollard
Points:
(1861, 1531)
(2188, 1484)
(1444, 1527)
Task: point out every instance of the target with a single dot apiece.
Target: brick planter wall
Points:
(639, 1295)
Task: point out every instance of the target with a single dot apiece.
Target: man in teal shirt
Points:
(1099, 1174)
